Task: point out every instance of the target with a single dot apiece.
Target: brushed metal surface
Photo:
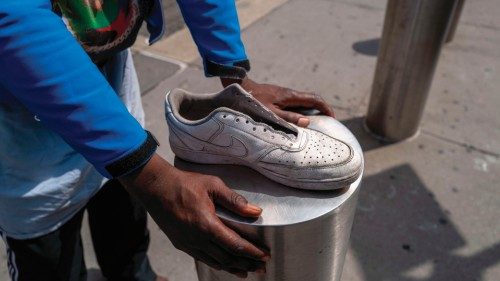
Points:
(414, 32)
(452, 28)
(306, 231)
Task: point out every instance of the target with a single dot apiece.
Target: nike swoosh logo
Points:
(236, 148)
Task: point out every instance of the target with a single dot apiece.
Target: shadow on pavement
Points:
(365, 139)
(401, 232)
(367, 47)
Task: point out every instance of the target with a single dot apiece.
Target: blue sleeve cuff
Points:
(134, 160)
(235, 70)
(155, 22)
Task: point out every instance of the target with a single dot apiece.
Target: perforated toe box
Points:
(321, 158)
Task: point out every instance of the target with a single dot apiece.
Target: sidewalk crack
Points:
(465, 145)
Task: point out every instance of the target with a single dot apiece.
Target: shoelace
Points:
(269, 115)
(265, 128)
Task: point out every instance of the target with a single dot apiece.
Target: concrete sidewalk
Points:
(428, 207)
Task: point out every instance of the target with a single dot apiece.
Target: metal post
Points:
(307, 232)
(457, 12)
(414, 31)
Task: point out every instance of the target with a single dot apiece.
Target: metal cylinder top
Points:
(281, 205)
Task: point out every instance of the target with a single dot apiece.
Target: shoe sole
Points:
(208, 158)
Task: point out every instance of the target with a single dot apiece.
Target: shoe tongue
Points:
(245, 103)
(292, 132)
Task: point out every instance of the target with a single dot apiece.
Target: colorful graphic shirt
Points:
(104, 27)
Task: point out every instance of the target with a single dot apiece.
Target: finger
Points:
(227, 260)
(206, 259)
(312, 100)
(239, 273)
(292, 117)
(226, 197)
(303, 122)
(235, 244)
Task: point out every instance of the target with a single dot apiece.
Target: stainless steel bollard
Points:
(306, 231)
(452, 28)
(414, 31)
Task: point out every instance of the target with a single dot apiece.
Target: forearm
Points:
(143, 182)
(148, 184)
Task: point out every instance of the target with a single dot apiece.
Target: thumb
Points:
(234, 202)
(293, 117)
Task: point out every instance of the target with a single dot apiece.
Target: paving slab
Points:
(152, 69)
(465, 94)
(308, 45)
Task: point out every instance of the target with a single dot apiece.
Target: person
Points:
(72, 139)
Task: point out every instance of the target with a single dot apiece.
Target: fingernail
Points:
(303, 122)
(254, 208)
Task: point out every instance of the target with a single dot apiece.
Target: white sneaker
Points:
(232, 127)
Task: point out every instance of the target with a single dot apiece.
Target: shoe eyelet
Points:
(237, 119)
(265, 130)
(224, 116)
(254, 128)
(246, 121)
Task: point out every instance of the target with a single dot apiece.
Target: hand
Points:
(182, 204)
(279, 99)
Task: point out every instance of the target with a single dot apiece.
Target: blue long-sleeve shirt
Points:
(43, 67)
(45, 73)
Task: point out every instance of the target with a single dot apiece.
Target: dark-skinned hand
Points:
(182, 204)
(279, 99)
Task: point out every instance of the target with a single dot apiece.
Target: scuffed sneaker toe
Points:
(323, 163)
